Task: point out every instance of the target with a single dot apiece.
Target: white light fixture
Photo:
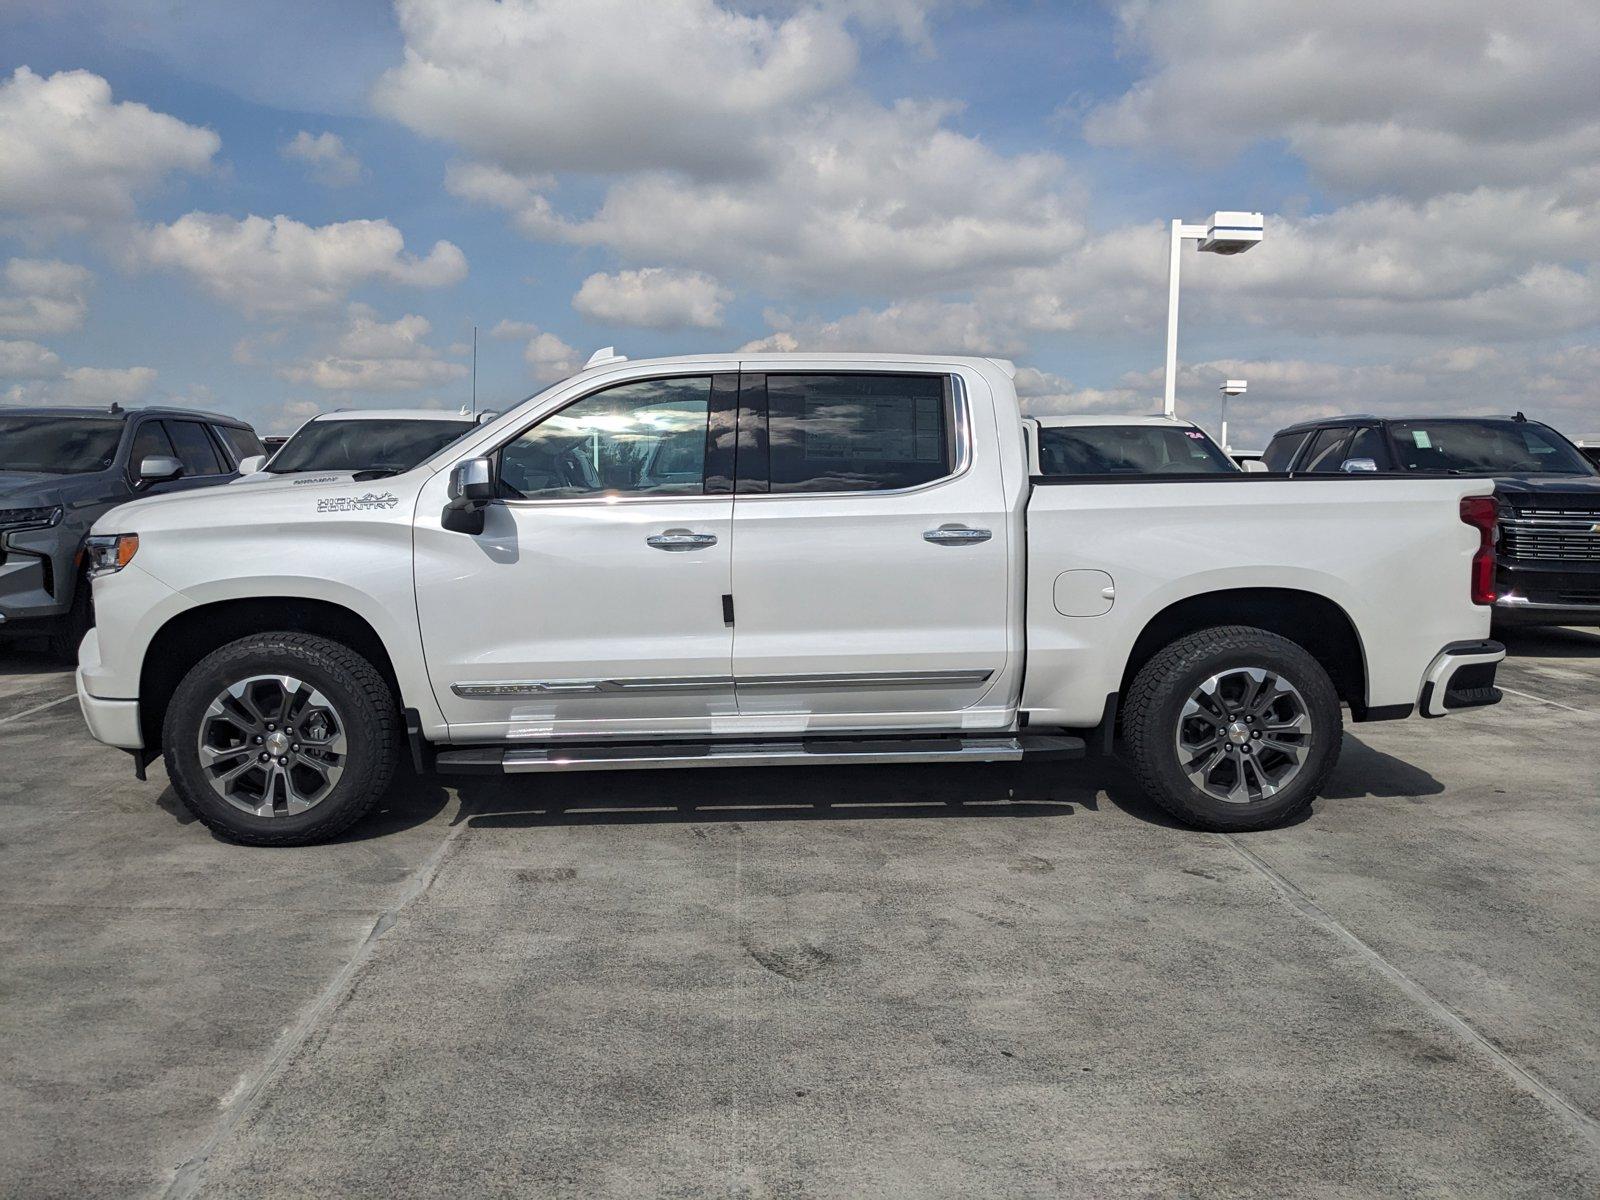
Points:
(1228, 233)
(1231, 387)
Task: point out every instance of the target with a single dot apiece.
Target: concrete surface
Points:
(890, 981)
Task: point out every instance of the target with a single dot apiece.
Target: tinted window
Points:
(1488, 447)
(241, 443)
(1368, 443)
(839, 433)
(1282, 449)
(1326, 453)
(365, 444)
(195, 451)
(150, 442)
(1129, 449)
(639, 439)
(57, 445)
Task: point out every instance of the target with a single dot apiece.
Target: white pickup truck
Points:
(773, 559)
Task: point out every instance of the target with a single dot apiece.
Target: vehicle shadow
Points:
(875, 793)
(27, 656)
(411, 801)
(1550, 642)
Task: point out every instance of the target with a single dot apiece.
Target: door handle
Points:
(681, 539)
(956, 535)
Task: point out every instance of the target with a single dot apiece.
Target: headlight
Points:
(30, 518)
(108, 553)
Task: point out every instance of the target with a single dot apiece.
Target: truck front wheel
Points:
(280, 739)
(1232, 728)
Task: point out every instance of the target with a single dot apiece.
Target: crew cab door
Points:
(870, 580)
(592, 602)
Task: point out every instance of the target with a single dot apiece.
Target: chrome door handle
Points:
(956, 535)
(681, 539)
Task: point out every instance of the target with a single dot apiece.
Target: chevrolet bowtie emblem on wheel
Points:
(357, 503)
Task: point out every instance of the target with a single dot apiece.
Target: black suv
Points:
(61, 468)
(1549, 552)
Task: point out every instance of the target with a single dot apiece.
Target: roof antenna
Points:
(115, 408)
(1519, 416)
(474, 372)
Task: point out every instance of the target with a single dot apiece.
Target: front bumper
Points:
(1461, 676)
(114, 722)
(1547, 593)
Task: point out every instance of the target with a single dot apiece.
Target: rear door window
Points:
(1280, 452)
(195, 449)
(854, 433)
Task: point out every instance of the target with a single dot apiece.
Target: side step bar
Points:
(814, 752)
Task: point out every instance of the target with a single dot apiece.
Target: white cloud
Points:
(548, 355)
(43, 296)
(377, 356)
(73, 155)
(853, 196)
(926, 326)
(606, 85)
(27, 360)
(91, 386)
(281, 266)
(325, 156)
(655, 298)
(1372, 95)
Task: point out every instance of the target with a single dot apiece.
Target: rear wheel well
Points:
(190, 636)
(1310, 620)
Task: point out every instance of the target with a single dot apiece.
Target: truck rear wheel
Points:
(1232, 728)
(280, 739)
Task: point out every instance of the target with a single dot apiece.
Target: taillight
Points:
(1482, 513)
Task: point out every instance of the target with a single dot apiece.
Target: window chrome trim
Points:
(962, 427)
(511, 689)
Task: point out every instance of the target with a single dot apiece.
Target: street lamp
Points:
(1228, 233)
(1232, 387)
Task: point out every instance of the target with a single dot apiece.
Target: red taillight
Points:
(1482, 513)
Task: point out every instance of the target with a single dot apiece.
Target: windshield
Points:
(1129, 450)
(1485, 447)
(57, 445)
(365, 445)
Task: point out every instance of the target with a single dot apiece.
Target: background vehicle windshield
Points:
(57, 445)
(370, 445)
(1485, 447)
(1129, 450)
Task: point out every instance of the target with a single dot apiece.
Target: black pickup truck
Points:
(1548, 569)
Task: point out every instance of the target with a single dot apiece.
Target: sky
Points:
(278, 209)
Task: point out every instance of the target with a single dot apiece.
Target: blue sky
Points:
(280, 209)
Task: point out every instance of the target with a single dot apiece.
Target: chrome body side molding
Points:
(510, 689)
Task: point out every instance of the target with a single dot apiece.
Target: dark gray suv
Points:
(60, 468)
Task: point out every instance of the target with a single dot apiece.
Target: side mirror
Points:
(1253, 466)
(249, 466)
(159, 468)
(471, 488)
(1358, 466)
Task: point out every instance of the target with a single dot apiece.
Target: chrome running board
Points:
(812, 752)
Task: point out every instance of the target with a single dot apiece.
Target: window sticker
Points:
(1194, 433)
(1421, 438)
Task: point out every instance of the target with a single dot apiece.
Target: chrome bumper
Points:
(1461, 676)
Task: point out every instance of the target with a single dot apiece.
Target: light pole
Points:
(1232, 387)
(1228, 233)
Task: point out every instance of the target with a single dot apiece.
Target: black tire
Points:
(67, 634)
(367, 711)
(1151, 719)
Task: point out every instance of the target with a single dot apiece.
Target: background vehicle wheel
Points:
(1232, 728)
(280, 739)
(68, 632)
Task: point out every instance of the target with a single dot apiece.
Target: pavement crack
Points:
(1574, 1115)
(244, 1099)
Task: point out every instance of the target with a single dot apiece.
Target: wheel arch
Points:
(194, 633)
(1316, 623)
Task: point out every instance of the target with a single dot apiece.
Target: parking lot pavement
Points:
(934, 981)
